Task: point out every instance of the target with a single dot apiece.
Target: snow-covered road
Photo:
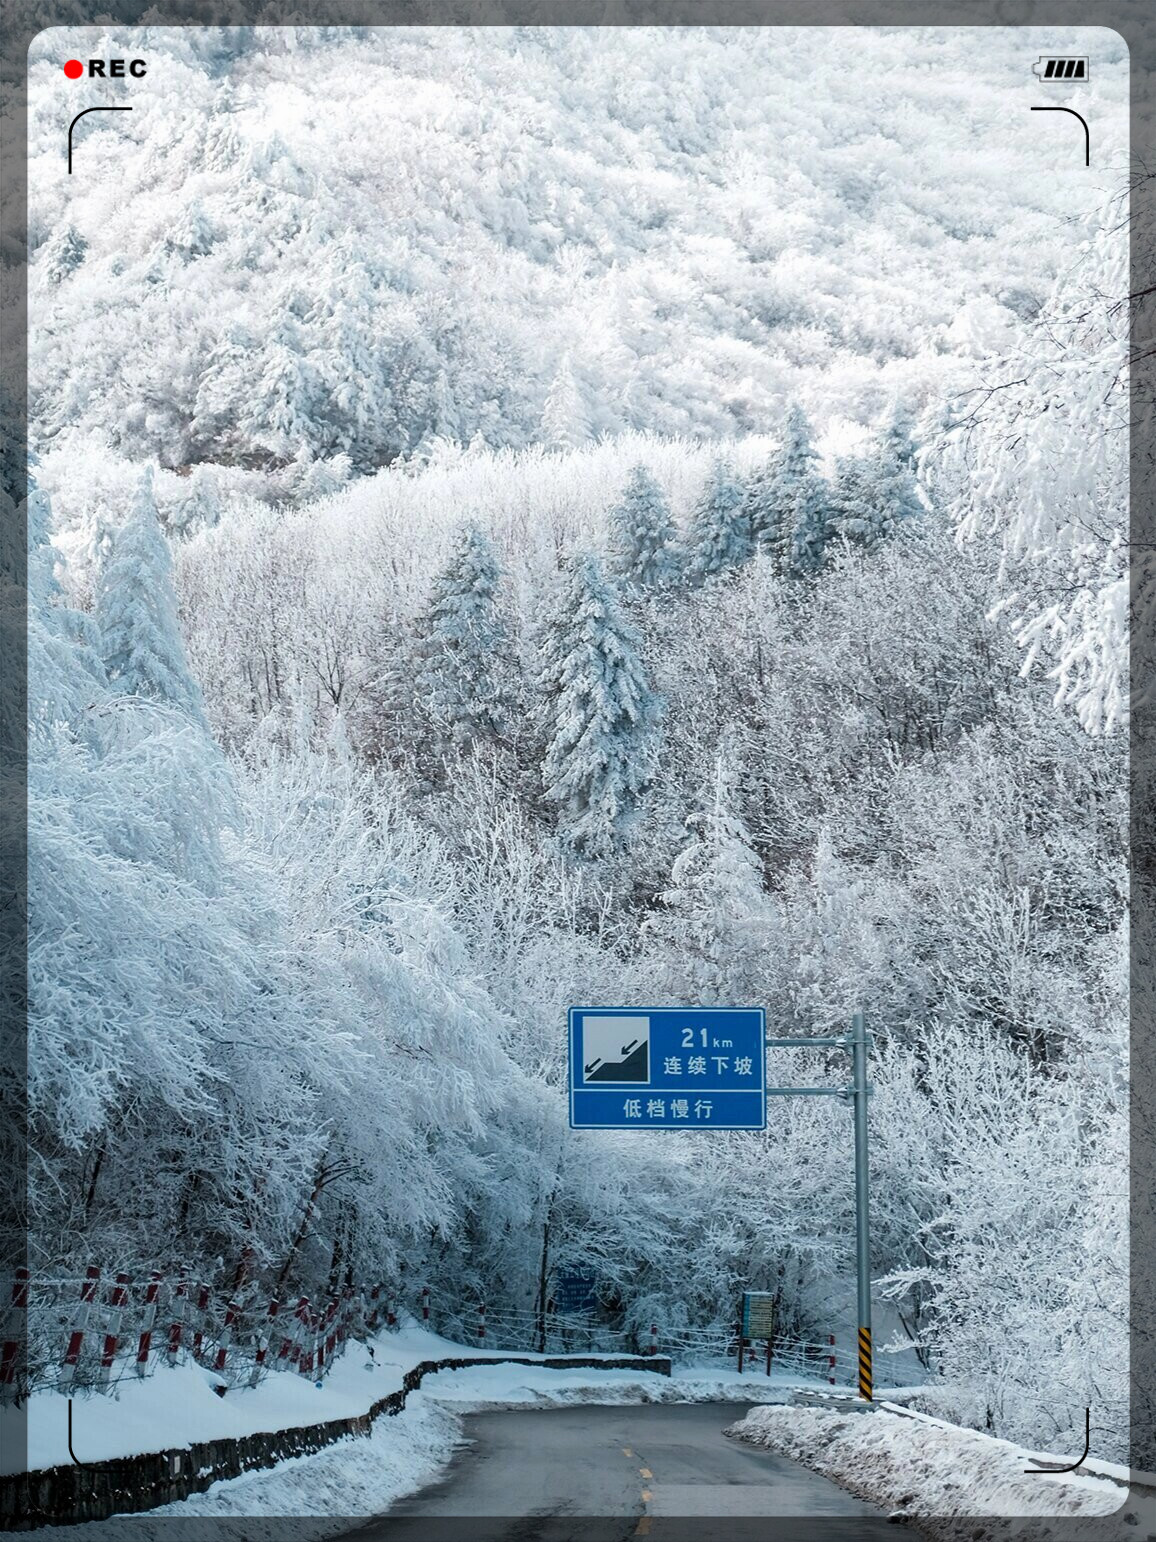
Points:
(611, 1473)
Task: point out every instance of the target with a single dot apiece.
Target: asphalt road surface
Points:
(659, 1470)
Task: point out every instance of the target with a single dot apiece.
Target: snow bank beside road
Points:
(175, 1406)
(942, 1477)
(303, 1499)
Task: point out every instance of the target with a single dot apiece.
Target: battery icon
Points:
(1060, 69)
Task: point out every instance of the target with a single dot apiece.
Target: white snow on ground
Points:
(935, 1474)
(311, 1497)
(175, 1407)
(306, 1497)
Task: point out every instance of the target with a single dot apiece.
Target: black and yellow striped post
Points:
(862, 1213)
(865, 1363)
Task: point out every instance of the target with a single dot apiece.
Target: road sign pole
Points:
(862, 1207)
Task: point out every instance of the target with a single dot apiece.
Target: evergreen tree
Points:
(464, 665)
(63, 254)
(137, 613)
(805, 499)
(898, 438)
(565, 420)
(199, 508)
(599, 714)
(763, 508)
(717, 919)
(789, 503)
(875, 494)
(896, 476)
(643, 553)
(855, 510)
(719, 537)
(64, 669)
(280, 410)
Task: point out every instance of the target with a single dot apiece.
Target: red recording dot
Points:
(74, 69)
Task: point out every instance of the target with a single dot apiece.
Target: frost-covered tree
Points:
(789, 503)
(64, 668)
(1059, 384)
(763, 508)
(643, 554)
(63, 254)
(876, 492)
(463, 665)
(599, 714)
(565, 417)
(137, 613)
(717, 923)
(805, 499)
(856, 508)
(199, 506)
(718, 538)
(895, 474)
(897, 438)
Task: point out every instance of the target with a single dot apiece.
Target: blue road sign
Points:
(575, 1293)
(667, 1068)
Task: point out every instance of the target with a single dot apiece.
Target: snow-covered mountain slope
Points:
(325, 242)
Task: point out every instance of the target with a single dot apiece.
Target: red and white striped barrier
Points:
(308, 1355)
(225, 1339)
(199, 1328)
(831, 1359)
(177, 1308)
(391, 1314)
(10, 1353)
(653, 1338)
(304, 1333)
(118, 1300)
(79, 1323)
(152, 1290)
(425, 1304)
(291, 1341)
(263, 1344)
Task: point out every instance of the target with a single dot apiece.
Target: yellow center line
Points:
(645, 1472)
(646, 1496)
(626, 1451)
(643, 1527)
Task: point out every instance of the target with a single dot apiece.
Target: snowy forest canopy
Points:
(642, 540)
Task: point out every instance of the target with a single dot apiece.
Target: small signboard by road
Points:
(758, 1314)
(667, 1068)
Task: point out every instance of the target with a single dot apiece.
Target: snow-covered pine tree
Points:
(137, 613)
(63, 254)
(643, 553)
(464, 666)
(280, 409)
(599, 714)
(855, 511)
(565, 419)
(717, 919)
(806, 500)
(763, 508)
(896, 474)
(719, 535)
(789, 503)
(877, 492)
(199, 508)
(897, 439)
(63, 666)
